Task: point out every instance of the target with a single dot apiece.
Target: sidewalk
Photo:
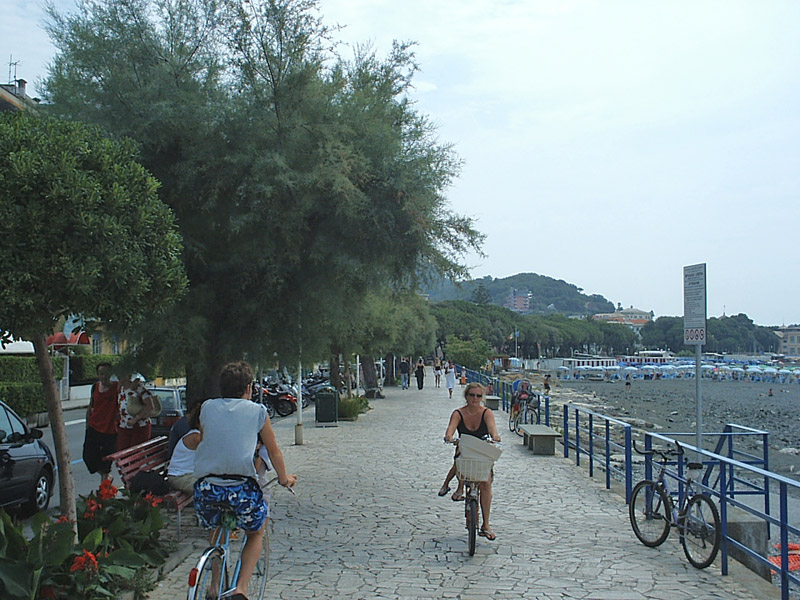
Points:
(367, 524)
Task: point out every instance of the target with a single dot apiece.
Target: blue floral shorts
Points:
(245, 499)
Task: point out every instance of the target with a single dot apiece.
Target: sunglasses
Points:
(475, 395)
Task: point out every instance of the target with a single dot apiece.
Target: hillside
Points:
(548, 295)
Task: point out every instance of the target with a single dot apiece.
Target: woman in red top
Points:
(102, 418)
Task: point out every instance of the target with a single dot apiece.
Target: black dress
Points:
(419, 373)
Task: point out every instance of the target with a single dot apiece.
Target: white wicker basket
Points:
(474, 469)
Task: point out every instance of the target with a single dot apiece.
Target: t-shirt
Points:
(126, 421)
(105, 413)
(230, 429)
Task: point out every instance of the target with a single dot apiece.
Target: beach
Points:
(669, 405)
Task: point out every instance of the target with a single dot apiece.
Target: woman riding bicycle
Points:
(478, 421)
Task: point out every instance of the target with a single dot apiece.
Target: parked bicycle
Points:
(217, 572)
(525, 408)
(474, 466)
(652, 511)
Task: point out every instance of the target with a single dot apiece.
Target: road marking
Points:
(75, 422)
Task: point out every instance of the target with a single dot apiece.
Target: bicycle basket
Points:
(474, 469)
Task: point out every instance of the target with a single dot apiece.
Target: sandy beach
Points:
(668, 406)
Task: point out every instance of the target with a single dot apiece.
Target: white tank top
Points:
(182, 461)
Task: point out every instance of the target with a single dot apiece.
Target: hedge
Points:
(23, 398)
(23, 369)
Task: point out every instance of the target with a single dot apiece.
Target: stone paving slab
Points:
(366, 522)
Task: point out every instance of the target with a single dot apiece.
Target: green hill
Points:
(548, 295)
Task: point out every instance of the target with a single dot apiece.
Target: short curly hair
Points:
(234, 379)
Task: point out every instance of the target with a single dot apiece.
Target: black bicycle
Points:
(652, 511)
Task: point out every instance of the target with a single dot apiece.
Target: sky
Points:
(607, 143)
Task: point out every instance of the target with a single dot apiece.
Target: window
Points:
(96, 345)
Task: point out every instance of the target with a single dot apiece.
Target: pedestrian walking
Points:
(437, 372)
(450, 377)
(405, 373)
(419, 373)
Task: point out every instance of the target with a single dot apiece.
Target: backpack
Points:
(149, 481)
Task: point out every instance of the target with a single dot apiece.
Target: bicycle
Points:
(474, 466)
(652, 512)
(217, 571)
(528, 411)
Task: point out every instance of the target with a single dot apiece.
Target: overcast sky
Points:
(606, 143)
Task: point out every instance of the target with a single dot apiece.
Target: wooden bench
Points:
(150, 456)
(539, 438)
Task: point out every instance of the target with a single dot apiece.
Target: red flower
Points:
(153, 500)
(62, 519)
(85, 562)
(92, 506)
(107, 491)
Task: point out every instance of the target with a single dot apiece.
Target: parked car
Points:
(173, 407)
(27, 466)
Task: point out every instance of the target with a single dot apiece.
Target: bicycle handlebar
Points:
(665, 454)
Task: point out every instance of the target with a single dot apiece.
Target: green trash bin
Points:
(327, 407)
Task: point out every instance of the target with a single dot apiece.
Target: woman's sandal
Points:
(457, 497)
(444, 490)
(487, 533)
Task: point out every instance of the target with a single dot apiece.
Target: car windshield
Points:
(168, 399)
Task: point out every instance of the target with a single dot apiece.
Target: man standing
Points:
(102, 418)
(405, 373)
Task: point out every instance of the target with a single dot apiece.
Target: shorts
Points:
(245, 499)
(96, 446)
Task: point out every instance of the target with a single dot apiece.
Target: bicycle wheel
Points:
(511, 417)
(205, 580)
(258, 581)
(517, 423)
(700, 531)
(650, 512)
(472, 523)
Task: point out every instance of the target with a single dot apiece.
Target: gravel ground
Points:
(670, 406)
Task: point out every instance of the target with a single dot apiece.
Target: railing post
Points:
(628, 464)
(565, 417)
(547, 411)
(784, 542)
(648, 460)
(591, 445)
(608, 456)
(723, 516)
(577, 437)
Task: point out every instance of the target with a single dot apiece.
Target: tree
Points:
(300, 180)
(472, 353)
(84, 233)
(480, 295)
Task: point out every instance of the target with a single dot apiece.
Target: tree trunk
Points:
(66, 484)
(389, 379)
(371, 379)
(336, 377)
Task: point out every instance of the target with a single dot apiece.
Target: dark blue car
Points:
(27, 466)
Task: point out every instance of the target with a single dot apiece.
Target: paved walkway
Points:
(367, 524)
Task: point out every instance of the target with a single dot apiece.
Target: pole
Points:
(298, 429)
(358, 373)
(699, 420)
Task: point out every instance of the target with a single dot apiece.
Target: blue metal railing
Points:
(505, 390)
(722, 474)
(611, 431)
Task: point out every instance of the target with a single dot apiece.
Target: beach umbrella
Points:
(772, 370)
(754, 369)
(630, 369)
(563, 368)
(706, 367)
(785, 372)
(737, 370)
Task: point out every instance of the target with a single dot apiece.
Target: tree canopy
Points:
(300, 179)
(84, 233)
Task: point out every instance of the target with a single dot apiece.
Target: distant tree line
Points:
(531, 336)
(734, 334)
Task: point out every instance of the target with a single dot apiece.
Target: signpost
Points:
(694, 328)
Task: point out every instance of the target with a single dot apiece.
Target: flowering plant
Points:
(118, 535)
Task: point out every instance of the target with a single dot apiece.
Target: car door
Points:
(18, 462)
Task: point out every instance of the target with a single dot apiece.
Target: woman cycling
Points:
(476, 420)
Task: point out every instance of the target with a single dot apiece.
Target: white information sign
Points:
(694, 304)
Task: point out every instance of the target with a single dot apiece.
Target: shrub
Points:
(352, 407)
(23, 398)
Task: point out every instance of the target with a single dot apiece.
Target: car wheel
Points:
(40, 495)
